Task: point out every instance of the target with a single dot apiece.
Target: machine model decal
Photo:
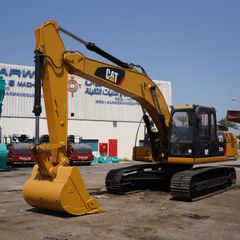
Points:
(111, 74)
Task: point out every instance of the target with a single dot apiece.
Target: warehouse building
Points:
(96, 114)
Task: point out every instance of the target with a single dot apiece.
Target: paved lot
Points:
(149, 215)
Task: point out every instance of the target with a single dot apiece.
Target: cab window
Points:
(203, 125)
(182, 127)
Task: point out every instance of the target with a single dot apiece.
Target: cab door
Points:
(206, 137)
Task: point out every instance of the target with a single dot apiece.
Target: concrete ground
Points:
(149, 215)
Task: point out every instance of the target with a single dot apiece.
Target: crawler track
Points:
(195, 184)
(184, 185)
(123, 180)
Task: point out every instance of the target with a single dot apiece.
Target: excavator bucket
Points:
(66, 193)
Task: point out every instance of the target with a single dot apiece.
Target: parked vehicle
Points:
(19, 152)
(79, 153)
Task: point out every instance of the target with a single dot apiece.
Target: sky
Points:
(193, 44)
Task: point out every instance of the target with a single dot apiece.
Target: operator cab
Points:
(193, 132)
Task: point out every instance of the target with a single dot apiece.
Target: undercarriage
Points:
(182, 183)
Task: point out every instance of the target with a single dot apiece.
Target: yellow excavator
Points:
(185, 137)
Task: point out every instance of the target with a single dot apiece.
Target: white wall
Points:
(124, 132)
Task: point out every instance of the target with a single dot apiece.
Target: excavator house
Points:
(178, 139)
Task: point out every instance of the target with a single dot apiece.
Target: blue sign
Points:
(17, 72)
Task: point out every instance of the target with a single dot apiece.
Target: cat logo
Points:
(114, 75)
(111, 75)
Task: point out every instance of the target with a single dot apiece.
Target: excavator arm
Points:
(53, 184)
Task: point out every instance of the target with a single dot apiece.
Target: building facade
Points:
(95, 113)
